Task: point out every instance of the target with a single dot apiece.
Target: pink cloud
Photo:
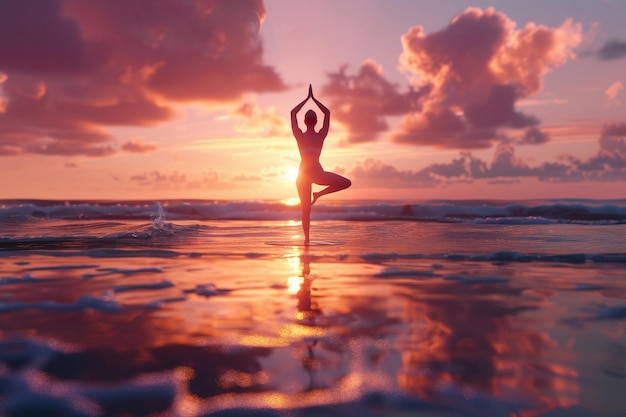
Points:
(467, 80)
(362, 101)
(247, 178)
(257, 120)
(478, 68)
(160, 180)
(375, 173)
(202, 50)
(69, 70)
(612, 149)
(443, 128)
(611, 94)
(137, 146)
(506, 165)
(610, 161)
(533, 136)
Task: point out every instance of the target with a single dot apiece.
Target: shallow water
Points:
(195, 318)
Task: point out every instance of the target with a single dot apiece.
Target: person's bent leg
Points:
(304, 191)
(335, 182)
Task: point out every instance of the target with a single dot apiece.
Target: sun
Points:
(291, 174)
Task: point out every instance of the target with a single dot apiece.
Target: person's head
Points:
(310, 118)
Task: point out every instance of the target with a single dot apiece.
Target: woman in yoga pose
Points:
(311, 172)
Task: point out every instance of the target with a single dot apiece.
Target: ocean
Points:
(398, 308)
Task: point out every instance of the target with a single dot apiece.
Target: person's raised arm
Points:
(324, 109)
(294, 115)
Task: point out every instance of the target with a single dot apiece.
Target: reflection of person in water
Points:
(311, 172)
(307, 312)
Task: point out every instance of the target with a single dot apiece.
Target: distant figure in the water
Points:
(311, 172)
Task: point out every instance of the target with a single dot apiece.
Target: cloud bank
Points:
(69, 69)
(608, 164)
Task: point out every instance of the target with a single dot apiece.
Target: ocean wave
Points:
(475, 211)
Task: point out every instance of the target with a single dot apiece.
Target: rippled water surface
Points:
(201, 317)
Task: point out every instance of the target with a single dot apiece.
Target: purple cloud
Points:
(69, 70)
(361, 102)
(137, 146)
(471, 74)
(613, 49)
(608, 164)
(479, 66)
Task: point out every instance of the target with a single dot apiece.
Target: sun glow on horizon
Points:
(291, 201)
(291, 174)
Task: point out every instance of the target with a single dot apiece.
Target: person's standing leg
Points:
(304, 191)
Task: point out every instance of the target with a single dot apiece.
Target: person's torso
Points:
(310, 147)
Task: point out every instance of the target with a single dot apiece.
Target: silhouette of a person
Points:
(311, 172)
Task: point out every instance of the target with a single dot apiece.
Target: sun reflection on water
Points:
(293, 284)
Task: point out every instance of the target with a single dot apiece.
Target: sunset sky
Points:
(142, 99)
